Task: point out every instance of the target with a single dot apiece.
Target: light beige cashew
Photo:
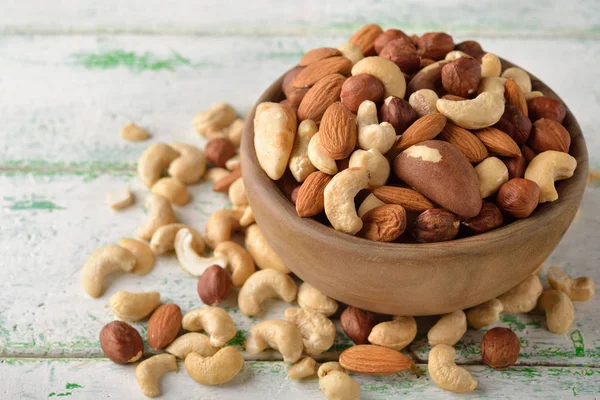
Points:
(533, 94)
(247, 217)
(520, 76)
(423, 101)
(446, 374)
(213, 320)
(160, 214)
(386, 71)
(300, 165)
(559, 310)
(134, 133)
(189, 260)
(149, 372)
(119, 198)
(277, 334)
(191, 342)
(337, 385)
(172, 190)
(449, 329)
(339, 199)
(548, 167)
(261, 251)
(318, 158)
(370, 202)
(217, 369)
(128, 306)
(372, 134)
(490, 66)
(189, 167)
(238, 261)
(455, 54)
(329, 366)
(373, 161)
(352, 52)
(216, 174)
(395, 334)
(235, 131)
(143, 254)
(492, 173)
(263, 285)
(220, 115)
(305, 368)
(105, 261)
(318, 332)
(163, 239)
(482, 111)
(492, 85)
(219, 227)
(310, 298)
(233, 163)
(523, 297)
(153, 161)
(579, 289)
(485, 314)
(237, 193)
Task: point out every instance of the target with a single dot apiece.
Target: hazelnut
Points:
(515, 124)
(357, 324)
(488, 218)
(389, 35)
(121, 343)
(427, 78)
(214, 285)
(435, 225)
(527, 153)
(435, 45)
(472, 48)
(500, 348)
(294, 195)
(461, 77)
(359, 88)
(219, 150)
(546, 107)
(398, 112)
(293, 95)
(515, 165)
(518, 197)
(403, 54)
(547, 134)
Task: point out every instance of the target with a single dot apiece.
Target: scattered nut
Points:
(153, 161)
(163, 240)
(214, 285)
(261, 251)
(149, 371)
(277, 334)
(559, 310)
(548, 167)
(369, 359)
(318, 332)
(305, 368)
(310, 298)
(164, 326)
(128, 306)
(216, 369)
(263, 285)
(500, 348)
(337, 385)
(161, 214)
(579, 289)
(119, 198)
(485, 314)
(189, 167)
(134, 133)
(395, 334)
(448, 330)
(357, 324)
(446, 374)
(189, 260)
(239, 262)
(218, 150)
(237, 193)
(121, 343)
(105, 261)
(143, 254)
(172, 190)
(191, 342)
(523, 297)
(328, 367)
(213, 320)
(220, 115)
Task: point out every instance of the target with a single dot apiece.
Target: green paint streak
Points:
(518, 325)
(528, 372)
(34, 203)
(88, 169)
(239, 339)
(73, 386)
(341, 343)
(128, 59)
(52, 394)
(578, 344)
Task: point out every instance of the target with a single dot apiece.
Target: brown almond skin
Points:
(472, 48)
(465, 141)
(408, 198)
(435, 45)
(488, 218)
(323, 94)
(219, 150)
(515, 96)
(548, 134)
(357, 324)
(426, 79)
(311, 199)
(222, 185)
(527, 153)
(370, 359)
(461, 77)
(403, 54)
(435, 225)
(293, 95)
(338, 131)
(389, 35)
(214, 285)
(365, 38)
(384, 223)
(164, 326)
(121, 342)
(359, 88)
(518, 197)
(546, 107)
(515, 165)
(425, 128)
(398, 112)
(315, 55)
(515, 124)
(312, 73)
(500, 348)
(498, 142)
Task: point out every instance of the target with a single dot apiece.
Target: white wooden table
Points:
(72, 73)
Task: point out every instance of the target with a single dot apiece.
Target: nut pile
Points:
(431, 139)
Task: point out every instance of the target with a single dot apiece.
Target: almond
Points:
(222, 185)
(384, 223)
(547, 134)
(164, 326)
(528, 153)
(466, 142)
(310, 200)
(317, 70)
(498, 142)
(515, 96)
(323, 94)
(374, 360)
(338, 131)
(319, 54)
(407, 198)
(425, 128)
(365, 38)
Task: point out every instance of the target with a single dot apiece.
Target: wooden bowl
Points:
(411, 279)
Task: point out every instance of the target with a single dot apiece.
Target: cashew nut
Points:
(548, 167)
(455, 54)
(386, 71)
(484, 110)
(300, 164)
(189, 167)
(263, 285)
(134, 133)
(128, 306)
(144, 256)
(523, 297)
(261, 251)
(339, 199)
(172, 190)
(310, 298)
(337, 385)
(215, 174)
(188, 259)
(217, 369)
(305, 368)
(559, 310)
(149, 371)
(237, 260)
(220, 115)
(191, 342)
(235, 131)
(533, 94)
(329, 366)
(163, 239)
(520, 76)
(579, 289)
(492, 85)
(395, 334)
(373, 161)
(490, 66)
(370, 202)
(237, 193)
(371, 134)
(449, 329)
(446, 374)
(247, 217)
(219, 227)
(485, 314)
(277, 334)
(233, 163)
(119, 198)
(153, 161)
(352, 52)
(105, 261)
(318, 158)
(161, 213)
(213, 320)
(492, 173)
(423, 101)
(318, 332)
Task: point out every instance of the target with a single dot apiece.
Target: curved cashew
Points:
(149, 371)
(237, 193)
(238, 261)
(523, 297)
(423, 101)
(318, 332)
(217, 369)
(144, 256)
(191, 342)
(172, 190)
(548, 167)
(533, 94)
(153, 161)
(395, 334)
(310, 298)
(482, 111)
(492, 173)
(339, 199)
(189, 167)
(220, 115)
(370, 202)
(105, 261)
(446, 374)
(119, 198)
(263, 285)
(490, 66)
(277, 334)
(213, 320)
(300, 164)
(134, 133)
(520, 76)
(373, 161)
(386, 71)
(338, 385)
(128, 306)
(261, 251)
(455, 54)
(449, 329)
(219, 227)
(188, 259)
(559, 310)
(352, 52)
(580, 289)
(161, 213)
(318, 157)
(163, 239)
(485, 314)
(329, 366)
(304, 368)
(371, 134)
(492, 85)
(215, 174)
(247, 217)
(233, 163)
